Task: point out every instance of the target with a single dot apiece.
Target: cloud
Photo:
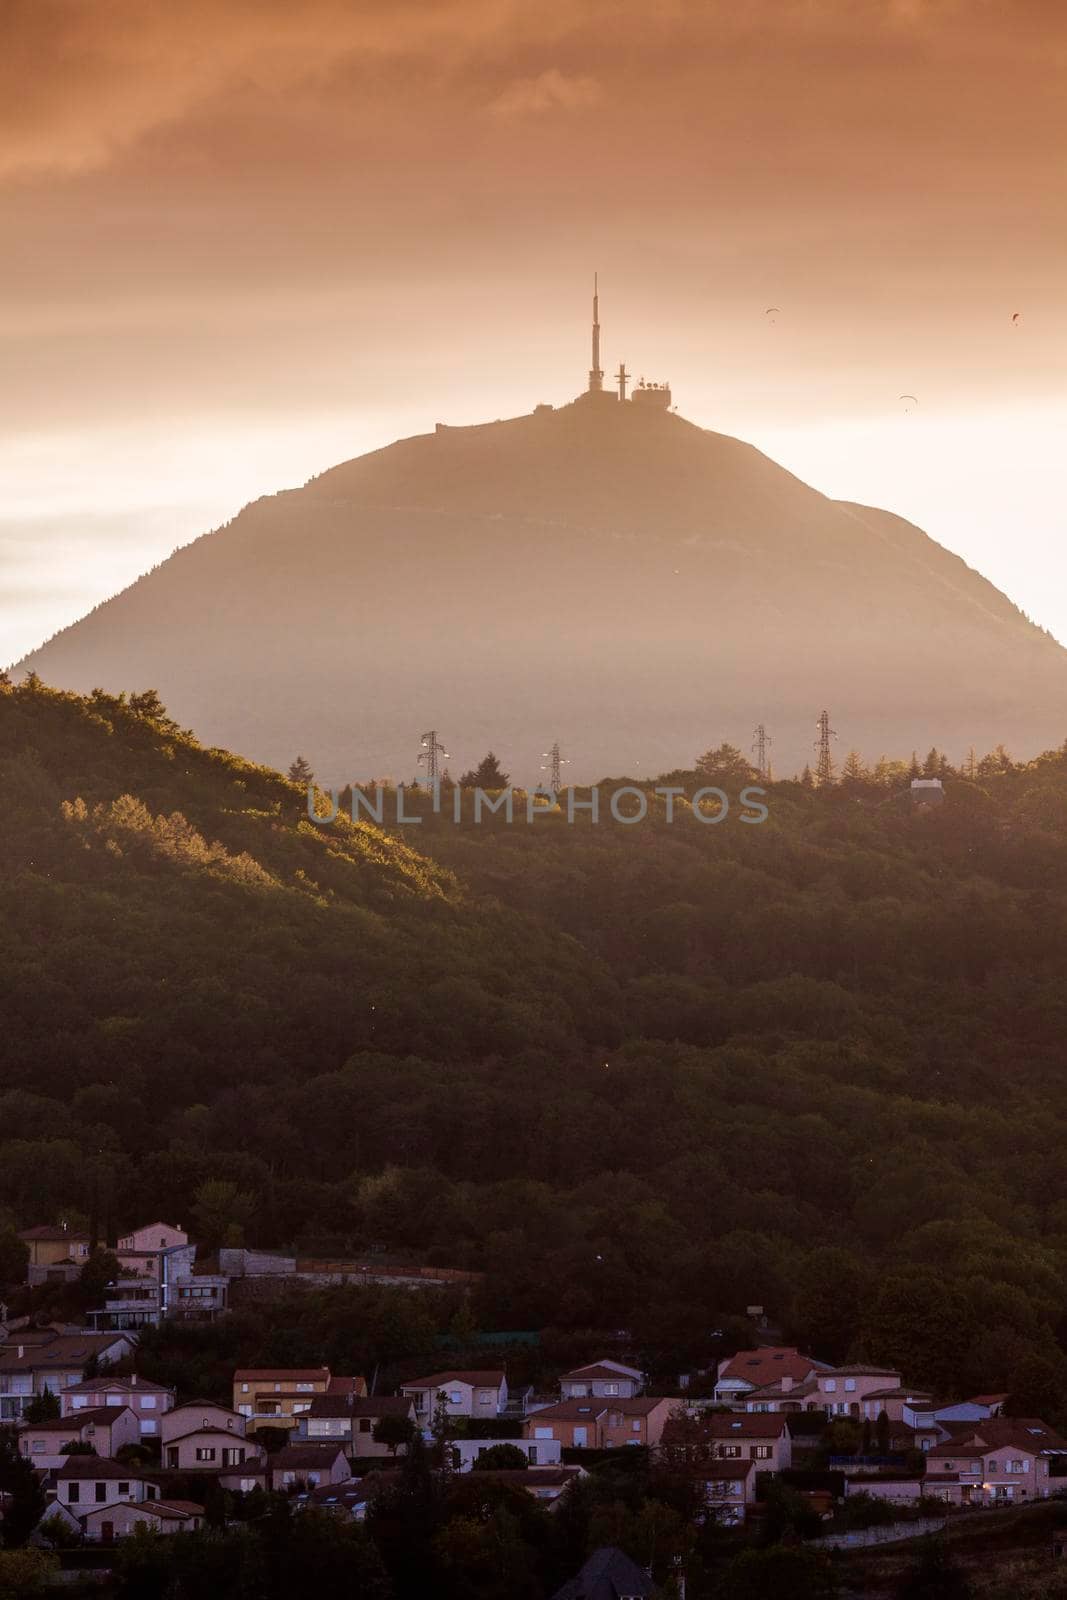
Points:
(549, 91)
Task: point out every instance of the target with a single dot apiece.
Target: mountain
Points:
(608, 575)
(639, 1077)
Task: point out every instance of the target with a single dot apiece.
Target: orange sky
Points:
(243, 241)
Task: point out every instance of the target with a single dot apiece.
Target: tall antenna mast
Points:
(824, 765)
(596, 376)
(432, 749)
(759, 745)
(555, 767)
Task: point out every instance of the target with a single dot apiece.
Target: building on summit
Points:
(648, 396)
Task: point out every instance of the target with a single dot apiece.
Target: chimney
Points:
(787, 1383)
(133, 1379)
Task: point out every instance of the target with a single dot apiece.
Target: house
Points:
(1002, 1461)
(107, 1523)
(148, 1401)
(607, 1378)
(84, 1482)
(609, 1574)
(57, 1254)
(107, 1429)
(466, 1453)
(182, 1420)
(37, 1359)
(947, 1414)
(728, 1488)
(211, 1449)
(896, 1400)
(350, 1420)
(466, 1394)
(762, 1438)
(151, 1239)
(739, 1374)
(311, 1466)
(848, 1391)
(349, 1499)
(600, 1424)
(277, 1397)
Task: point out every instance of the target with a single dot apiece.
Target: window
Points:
(850, 1384)
(543, 1433)
(124, 1489)
(301, 1405)
(149, 1426)
(635, 1425)
(976, 1466)
(761, 1452)
(611, 1388)
(148, 1402)
(205, 1453)
(731, 1450)
(37, 1447)
(531, 1454)
(74, 1492)
(114, 1400)
(831, 1385)
(244, 1388)
(304, 1388)
(364, 1425)
(78, 1401)
(101, 1493)
(993, 1467)
(455, 1397)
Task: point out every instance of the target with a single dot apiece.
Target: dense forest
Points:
(640, 1076)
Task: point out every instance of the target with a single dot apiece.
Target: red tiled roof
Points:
(47, 1233)
(99, 1416)
(987, 1399)
(306, 1455)
(581, 1408)
(127, 1383)
(767, 1365)
(596, 1372)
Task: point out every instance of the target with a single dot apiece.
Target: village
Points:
(114, 1452)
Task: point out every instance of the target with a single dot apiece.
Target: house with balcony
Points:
(727, 1490)
(767, 1366)
(850, 1391)
(36, 1359)
(596, 1423)
(460, 1394)
(148, 1401)
(607, 1379)
(349, 1421)
(107, 1429)
(279, 1397)
(1003, 1461)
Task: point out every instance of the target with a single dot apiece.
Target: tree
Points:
(26, 1572)
(855, 772)
(933, 1576)
(300, 772)
(726, 764)
(394, 1431)
(503, 1457)
(96, 1276)
(26, 1505)
(778, 1573)
(220, 1211)
(14, 1257)
(488, 774)
(44, 1407)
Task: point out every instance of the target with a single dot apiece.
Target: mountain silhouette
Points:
(610, 576)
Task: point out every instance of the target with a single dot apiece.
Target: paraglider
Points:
(771, 312)
(912, 398)
(1016, 318)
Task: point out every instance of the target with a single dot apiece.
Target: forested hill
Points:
(641, 1076)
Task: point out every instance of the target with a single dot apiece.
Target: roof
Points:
(95, 1467)
(282, 1375)
(438, 1380)
(899, 1393)
(747, 1425)
(130, 1382)
(343, 1405)
(582, 1407)
(722, 1468)
(227, 1433)
(355, 1492)
(46, 1232)
(768, 1364)
(63, 1350)
(198, 1403)
(99, 1416)
(306, 1455)
(987, 1399)
(863, 1369)
(775, 1391)
(608, 1574)
(339, 1385)
(528, 1477)
(599, 1370)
